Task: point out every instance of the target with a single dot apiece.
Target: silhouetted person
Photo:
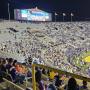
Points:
(72, 85)
(84, 86)
(57, 80)
(9, 65)
(38, 75)
(3, 66)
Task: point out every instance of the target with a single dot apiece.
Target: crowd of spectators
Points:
(57, 43)
(18, 72)
(57, 82)
(14, 70)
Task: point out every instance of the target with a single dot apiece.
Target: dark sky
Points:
(80, 8)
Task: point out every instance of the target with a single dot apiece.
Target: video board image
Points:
(32, 15)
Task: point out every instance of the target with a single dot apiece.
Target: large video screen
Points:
(32, 15)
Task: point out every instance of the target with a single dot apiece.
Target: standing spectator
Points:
(38, 75)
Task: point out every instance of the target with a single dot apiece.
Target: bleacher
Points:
(60, 45)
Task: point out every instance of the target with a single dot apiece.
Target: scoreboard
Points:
(32, 15)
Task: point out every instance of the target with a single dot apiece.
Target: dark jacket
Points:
(13, 73)
(51, 87)
(3, 68)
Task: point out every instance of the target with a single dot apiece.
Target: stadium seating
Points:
(62, 45)
(57, 43)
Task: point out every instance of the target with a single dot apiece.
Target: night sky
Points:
(80, 8)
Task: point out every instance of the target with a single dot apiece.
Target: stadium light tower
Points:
(72, 16)
(55, 16)
(8, 11)
(64, 16)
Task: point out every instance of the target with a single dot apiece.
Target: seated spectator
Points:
(9, 65)
(13, 71)
(72, 85)
(21, 69)
(52, 75)
(44, 71)
(84, 86)
(51, 87)
(16, 76)
(57, 80)
(3, 66)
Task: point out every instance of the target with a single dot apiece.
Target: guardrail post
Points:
(33, 77)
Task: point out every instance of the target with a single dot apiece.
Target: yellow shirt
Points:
(52, 74)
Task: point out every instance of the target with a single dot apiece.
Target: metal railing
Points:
(11, 85)
(8, 82)
(56, 70)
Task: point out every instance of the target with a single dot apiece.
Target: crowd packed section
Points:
(56, 44)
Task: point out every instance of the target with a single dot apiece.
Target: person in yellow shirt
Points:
(52, 75)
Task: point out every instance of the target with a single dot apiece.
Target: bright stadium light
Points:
(64, 14)
(72, 16)
(8, 11)
(55, 16)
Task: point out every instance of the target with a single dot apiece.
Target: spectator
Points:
(3, 66)
(72, 85)
(1, 74)
(9, 65)
(84, 86)
(38, 75)
(57, 80)
(44, 71)
(51, 87)
(17, 77)
(15, 63)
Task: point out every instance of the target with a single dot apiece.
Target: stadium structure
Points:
(53, 48)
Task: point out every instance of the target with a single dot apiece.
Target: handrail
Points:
(13, 84)
(64, 72)
(57, 70)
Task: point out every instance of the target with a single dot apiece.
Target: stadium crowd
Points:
(16, 70)
(57, 82)
(17, 73)
(46, 43)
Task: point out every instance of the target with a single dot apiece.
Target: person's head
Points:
(4, 62)
(14, 62)
(51, 87)
(72, 84)
(84, 83)
(36, 68)
(7, 59)
(10, 61)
